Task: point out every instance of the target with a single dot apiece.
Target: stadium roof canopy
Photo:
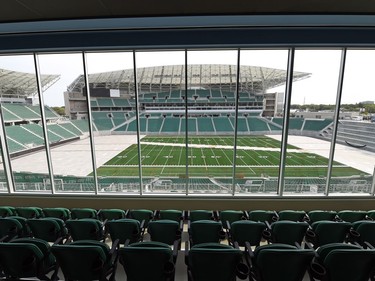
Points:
(254, 79)
(22, 83)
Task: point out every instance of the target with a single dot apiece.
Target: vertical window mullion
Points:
(186, 124)
(5, 155)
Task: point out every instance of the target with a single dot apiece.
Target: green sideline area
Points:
(257, 156)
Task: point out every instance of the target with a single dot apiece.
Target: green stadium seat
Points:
(148, 261)
(60, 213)
(175, 215)
(84, 213)
(262, 216)
(6, 211)
(125, 229)
(195, 215)
(141, 215)
(111, 214)
(26, 258)
(229, 216)
(47, 229)
(352, 216)
(87, 260)
(29, 212)
(10, 228)
(364, 232)
(292, 215)
(327, 232)
(287, 232)
(246, 231)
(319, 215)
(205, 231)
(85, 229)
(165, 231)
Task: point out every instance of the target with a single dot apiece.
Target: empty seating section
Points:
(60, 131)
(316, 124)
(121, 102)
(171, 125)
(23, 111)
(102, 102)
(38, 130)
(222, 124)
(14, 146)
(82, 125)
(153, 124)
(71, 128)
(241, 124)
(260, 244)
(205, 125)
(19, 134)
(256, 124)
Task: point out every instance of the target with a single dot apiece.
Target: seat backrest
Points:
(141, 215)
(291, 215)
(247, 231)
(165, 231)
(371, 214)
(124, 229)
(320, 215)
(352, 216)
(230, 216)
(60, 213)
(6, 211)
(84, 213)
(288, 232)
(85, 229)
(196, 215)
(366, 229)
(205, 262)
(175, 215)
(29, 212)
(330, 232)
(48, 229)
(349, 264)
(204, 231)
(147, 261)
(261, 215)
(111, 214)
(282, 264)
(10, 227)
(81, 261)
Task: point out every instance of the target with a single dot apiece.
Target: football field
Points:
(213, 156)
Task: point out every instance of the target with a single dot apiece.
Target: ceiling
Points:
(36, 10)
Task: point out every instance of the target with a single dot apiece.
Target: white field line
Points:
(222, 146)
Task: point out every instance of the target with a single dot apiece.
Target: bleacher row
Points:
(24, 137)
(258, 245)
(18, 112)
(164, 123)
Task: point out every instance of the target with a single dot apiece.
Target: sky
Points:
(320, 88)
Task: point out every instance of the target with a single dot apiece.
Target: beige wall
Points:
(154, 203)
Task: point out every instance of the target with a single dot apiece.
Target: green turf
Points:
(214, 156)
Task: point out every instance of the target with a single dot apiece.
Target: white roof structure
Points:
(253, 79)
(14, 83)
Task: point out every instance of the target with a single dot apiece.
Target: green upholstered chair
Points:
(148, 261)
(320, 215)
(165, 231)
(291, 215)
(196, 215)
(246, 231)
(111, 214)
(10, 228)
(229, 216)
(174, 215)
(85, 229)
(87, 260)
(48, 229)
(30, 212)
(60, 213)
(26, 258)
(84, 213)
(25, 228)
(279, 262)
(125, 229)
(205, 231)
(215, 262)
(352, 216)
(6, 211)
(364, 232)
(141, 215)
(371, 215)
(261, 216)
(344, 262)
(327, 232)
(288, 232)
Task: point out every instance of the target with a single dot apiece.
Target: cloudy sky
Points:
(320, 88)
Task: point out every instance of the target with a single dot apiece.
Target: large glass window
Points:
(113, 113)
(161, 83)
(354, 159)
(260, 120)
(65, 107)
(311, 117)
(20, 107)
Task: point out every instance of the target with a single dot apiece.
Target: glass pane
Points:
(68, 129)
(111, 80)
(161, 80)
(310, 119)
(22, 118)
(259, 124)
(211, 108)
(355, 146)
